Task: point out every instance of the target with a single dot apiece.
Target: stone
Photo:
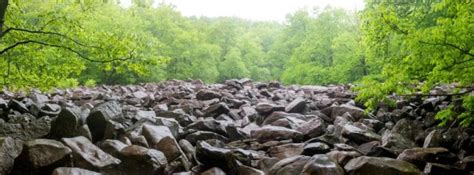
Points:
(104, 121)
(440, 169)
(296, 106)
(246, 170)
(286, 150)
(402, 136)
(153, 134)
(210, 156)
(468, 163)
(27, 128)
(170, 147)
(88, 156)
(18, 106)
(205, 94)
(378, 165)
(215, 110)
(69, 123)
(42, 156)
(204, 135)
(266, 163)
(313, 128)
(8, 152)
(420, 156)
(213, 171)
(268, 133)
(267, 108)
(358, 134)
(112, 147)
(342, 157)
(321, 164)
(73, 171)
(208, 125)
(140, 160)
(355, 112)
(288, 166)
(311, 149)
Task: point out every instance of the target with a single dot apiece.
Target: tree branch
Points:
(66, 48)
(47, 33)
(464, 51)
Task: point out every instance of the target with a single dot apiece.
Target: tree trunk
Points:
(3, 10)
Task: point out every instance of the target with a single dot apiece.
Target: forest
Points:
(386, 48)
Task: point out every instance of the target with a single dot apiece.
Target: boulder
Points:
(216, 110)
(268, 133)
(104, 121)
(69, 123)
(441, 169)
(73, 171)
(359, 134)
(321, 164)
(193, 138)
(286, 150)
(42, 156)
(420, 156)
(26, 127)
(205, 94)
(213, 171)
(313, 128)
(382, 166)
(140, 160)
(311, 149)
(288, 166)
(9, 150)
(296, 106)
(88, 156)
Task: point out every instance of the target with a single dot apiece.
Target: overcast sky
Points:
(255, 9)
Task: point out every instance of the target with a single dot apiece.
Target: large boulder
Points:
(205, 94)
(268, 133)
(286, 150)
(402, 136)
(9, 150)
(313, 128)
(26, 127)
(317, 164)
(296, 106)
(87, 155)
(42, 156)
(382, 166)
(216, 110)
(321, 164)
(105, 120)
(140, 160)
(70, 123)
(420, 156)
(355, 112)
(359, 134)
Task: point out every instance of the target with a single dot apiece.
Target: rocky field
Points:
(239, 127)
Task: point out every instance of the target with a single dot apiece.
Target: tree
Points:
(329, 52)
(418, 46)
(45, 44)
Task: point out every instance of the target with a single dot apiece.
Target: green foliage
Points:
(90, 83)
(328, 50)
(412, 42)
(67, 83)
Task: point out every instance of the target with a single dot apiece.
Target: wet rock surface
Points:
(238, 127)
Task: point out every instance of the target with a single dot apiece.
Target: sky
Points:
(258, 10)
